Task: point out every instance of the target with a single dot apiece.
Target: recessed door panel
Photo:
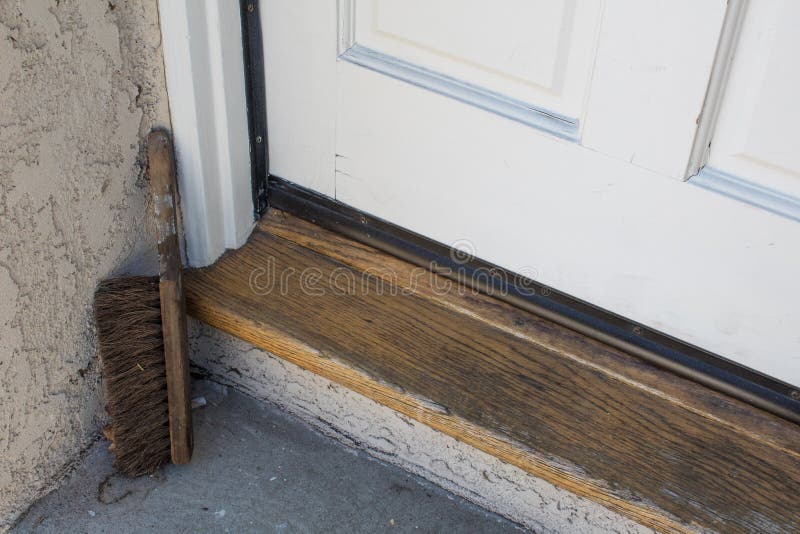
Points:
(536, 51)
(754, 138)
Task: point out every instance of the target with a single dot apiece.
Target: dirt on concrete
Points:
(255, 469)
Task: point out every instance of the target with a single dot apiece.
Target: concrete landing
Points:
(255, 469)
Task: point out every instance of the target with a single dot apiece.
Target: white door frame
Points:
(203, 60)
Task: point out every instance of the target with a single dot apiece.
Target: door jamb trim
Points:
(204, 68)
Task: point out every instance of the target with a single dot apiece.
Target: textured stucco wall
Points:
(363, 423)
(80, 83)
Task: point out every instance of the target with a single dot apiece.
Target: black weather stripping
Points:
(255, 91)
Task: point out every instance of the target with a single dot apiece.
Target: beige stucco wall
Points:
(81, 82)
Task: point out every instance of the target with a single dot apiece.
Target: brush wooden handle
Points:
(163, 185)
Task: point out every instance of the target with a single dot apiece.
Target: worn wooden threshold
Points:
(660, 449)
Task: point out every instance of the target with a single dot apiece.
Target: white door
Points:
(553, 138)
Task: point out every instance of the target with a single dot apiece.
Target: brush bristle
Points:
(128, 317)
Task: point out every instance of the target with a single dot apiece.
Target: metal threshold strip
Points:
(650, 345)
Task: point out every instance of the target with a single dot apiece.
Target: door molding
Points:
(748, 192)
(203, 61)
(728, 38)
(522, 112)
(526, 113)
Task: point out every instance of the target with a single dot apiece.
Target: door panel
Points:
(754, 137)
(536, 51)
